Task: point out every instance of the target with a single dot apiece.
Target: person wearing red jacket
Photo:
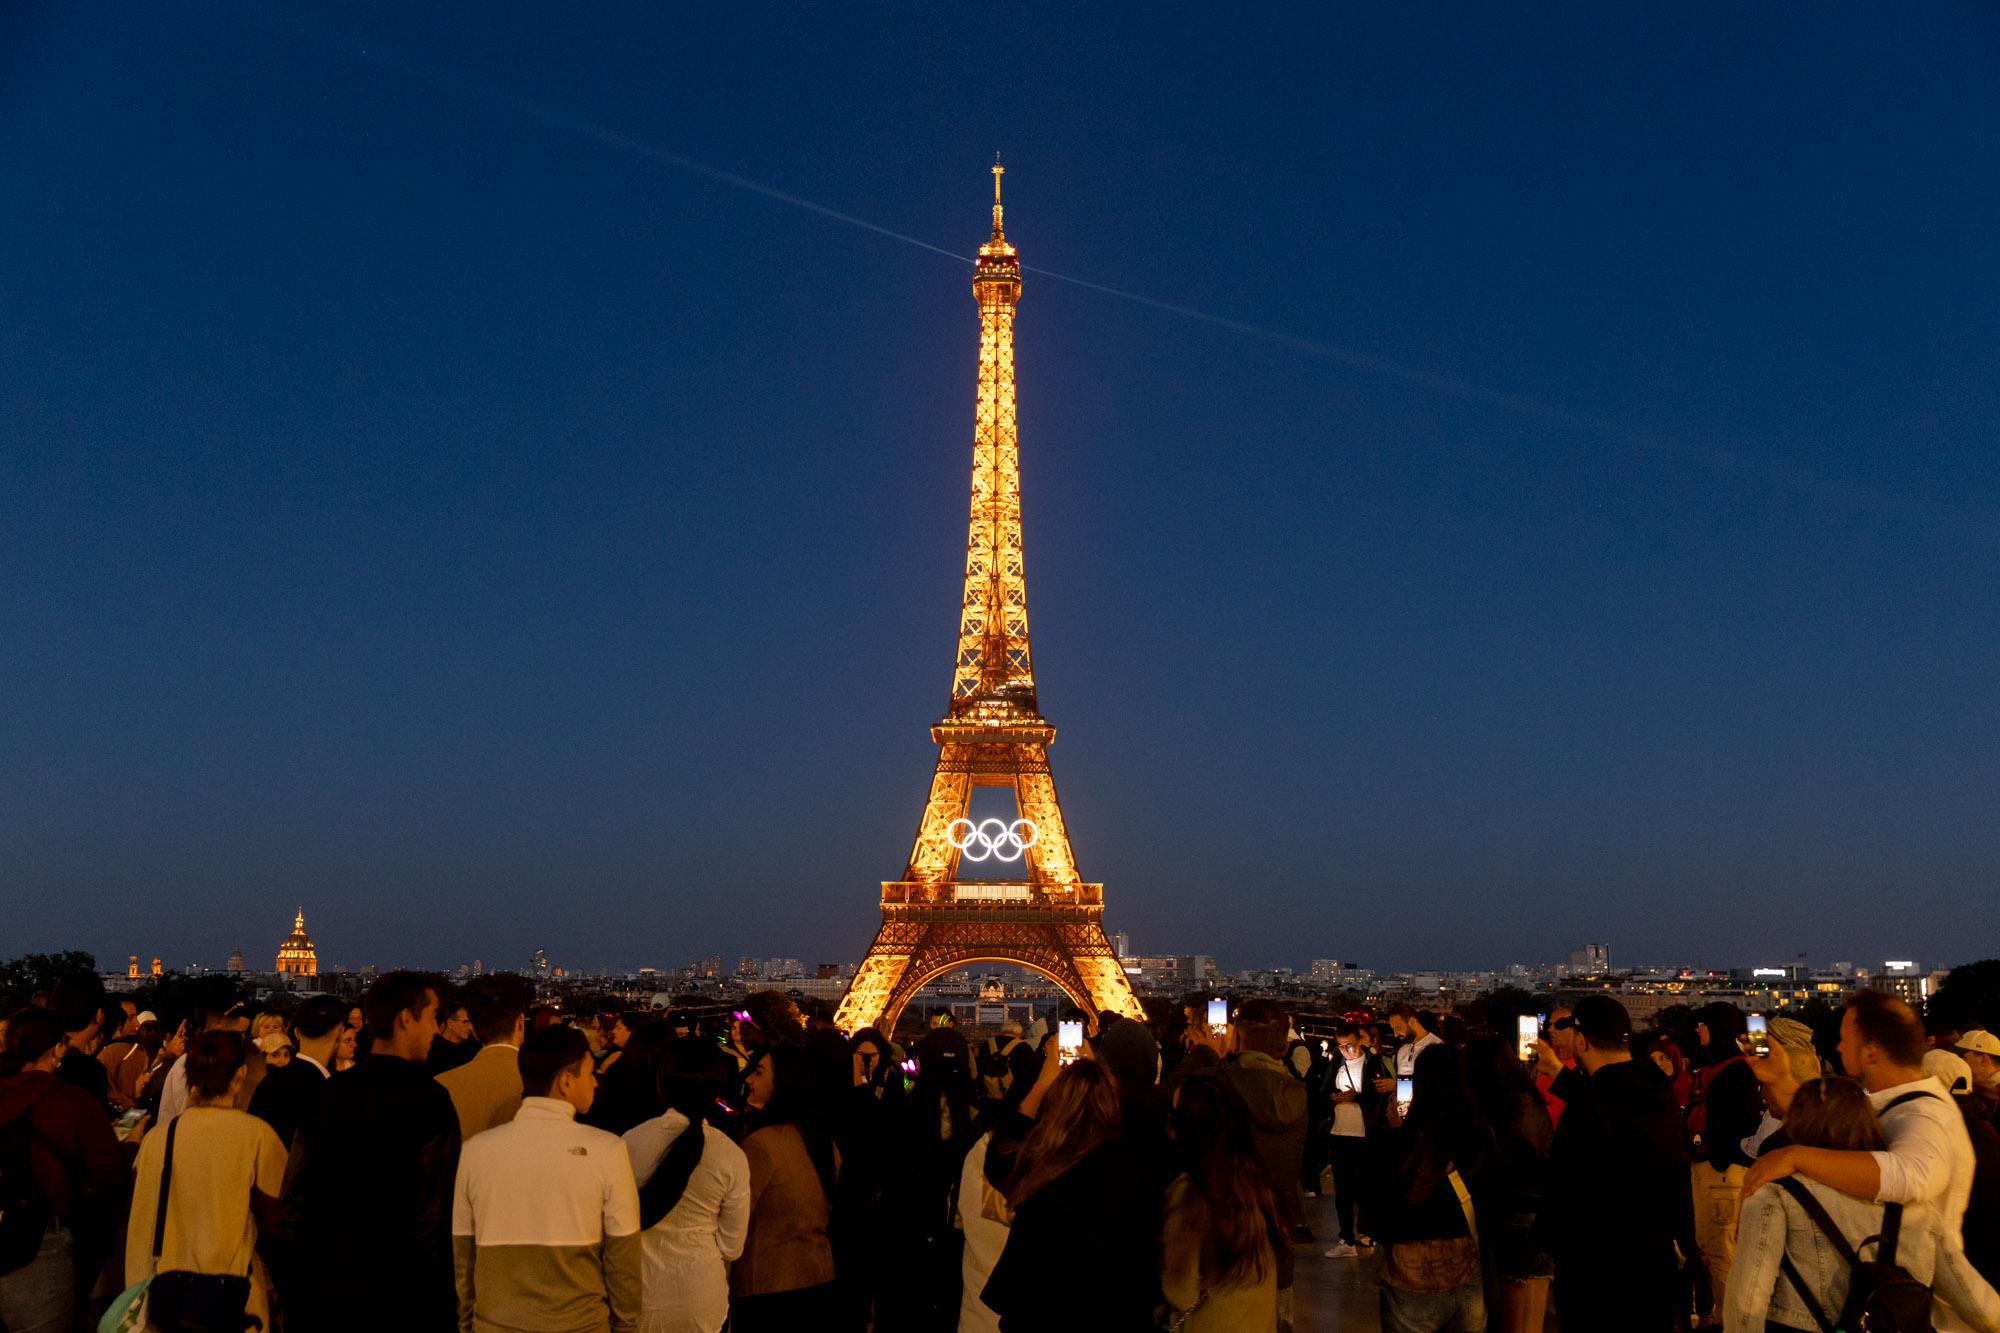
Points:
(77, 1169)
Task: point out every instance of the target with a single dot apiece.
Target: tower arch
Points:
(943, 962)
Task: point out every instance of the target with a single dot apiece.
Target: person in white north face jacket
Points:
(545, 1223)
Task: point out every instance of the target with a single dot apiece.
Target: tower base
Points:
(1064, 942)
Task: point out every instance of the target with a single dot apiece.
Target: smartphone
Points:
(1218, 1015)
(1405, 1088)
(128, 1122)
(1529, 1030)
(1760, 1037)
(1069, 1040)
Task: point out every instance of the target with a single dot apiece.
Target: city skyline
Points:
(481, 483)
(1580, 957)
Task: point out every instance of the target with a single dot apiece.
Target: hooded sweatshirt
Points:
(1276, 1100)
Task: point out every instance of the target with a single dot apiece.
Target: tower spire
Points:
(992, 669)
(998, 172)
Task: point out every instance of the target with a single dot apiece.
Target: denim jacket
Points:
(1773, 1225)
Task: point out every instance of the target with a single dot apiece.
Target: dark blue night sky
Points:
(420, 506)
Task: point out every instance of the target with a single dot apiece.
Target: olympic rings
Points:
(992, 837)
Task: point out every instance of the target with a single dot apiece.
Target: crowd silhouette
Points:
(434, 1158)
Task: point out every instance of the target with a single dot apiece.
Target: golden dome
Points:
(296, 954)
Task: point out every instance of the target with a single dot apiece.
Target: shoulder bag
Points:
(179, 1300)
(1445, 1264)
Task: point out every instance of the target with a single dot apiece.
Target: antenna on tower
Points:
(998, 172)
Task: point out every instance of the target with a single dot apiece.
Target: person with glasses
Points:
(1561, 1037)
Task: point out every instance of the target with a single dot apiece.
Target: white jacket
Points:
(685, 1256)
(545, 1226)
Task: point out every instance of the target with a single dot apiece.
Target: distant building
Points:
(1904, 980)
(236, 961)
(132, 966)
(1592, 960)
(296, 956)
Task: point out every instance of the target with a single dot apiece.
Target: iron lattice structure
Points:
(992, 735)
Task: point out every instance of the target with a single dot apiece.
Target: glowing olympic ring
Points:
(992, 837)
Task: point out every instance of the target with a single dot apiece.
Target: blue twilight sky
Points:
(424, 501)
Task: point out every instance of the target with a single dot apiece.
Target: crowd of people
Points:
(433, 1158)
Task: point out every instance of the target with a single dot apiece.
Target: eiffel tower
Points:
(992, 735)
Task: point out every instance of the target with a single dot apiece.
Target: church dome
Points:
(295, 955)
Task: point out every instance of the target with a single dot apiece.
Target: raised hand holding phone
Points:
(1758, 1039)
(1069, 1040)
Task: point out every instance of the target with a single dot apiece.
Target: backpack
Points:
(24, 1213)
(1882, 1297)
(1697, 1107)
(996, 1073)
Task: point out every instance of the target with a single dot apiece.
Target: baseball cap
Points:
(1603, 1020)
(147, 1016)
(1980, 1040)
(1948, 1069)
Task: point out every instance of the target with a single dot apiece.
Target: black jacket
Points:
(1373, 1104)
(1733, 1108)
(85, 1072)
(286, 1097)
(370, 1180)
(1075, 1262)
(1616, 1200)
(1410, 1198)
(1981, 1228)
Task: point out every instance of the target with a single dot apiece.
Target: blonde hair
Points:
(1834, 1113)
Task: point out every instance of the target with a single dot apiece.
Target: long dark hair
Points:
(1079, 1115)
(1228, 1187)
(878, 1076)
(1508, 1099)
(1449, 1129)
(794, 1101)
(695, 1075)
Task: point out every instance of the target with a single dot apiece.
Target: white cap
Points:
(1980, 1040)
(1948, 1069)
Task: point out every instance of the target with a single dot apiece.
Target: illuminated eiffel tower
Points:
(992, 735)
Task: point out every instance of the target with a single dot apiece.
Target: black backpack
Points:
(1882, 1297)
(24, 1213)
